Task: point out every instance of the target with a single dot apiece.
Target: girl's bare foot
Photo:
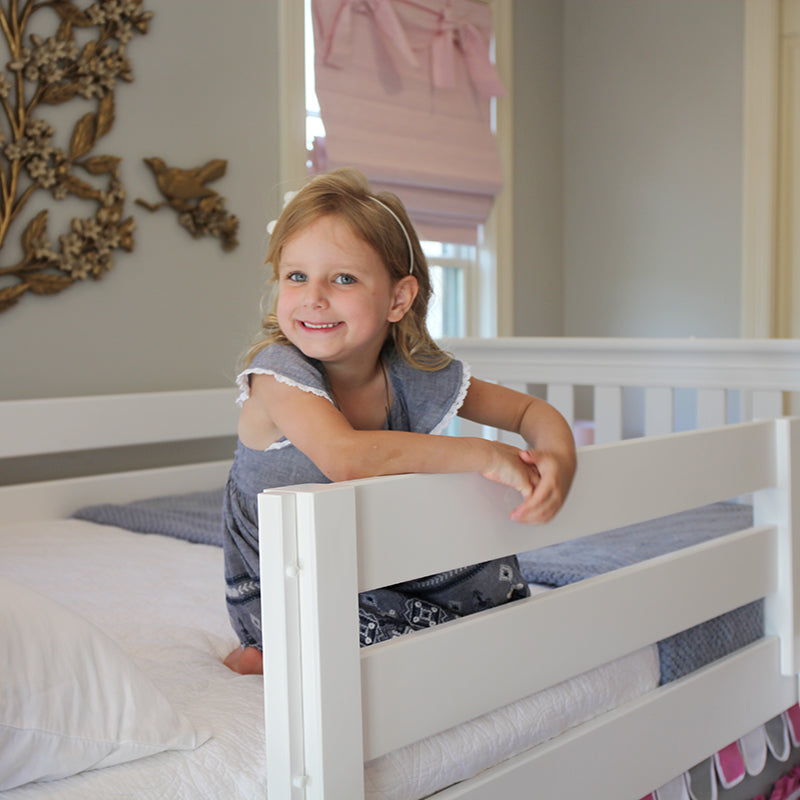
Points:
(245, 661)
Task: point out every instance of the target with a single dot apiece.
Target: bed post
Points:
(312, 673)
(775, 507)
(280, 612)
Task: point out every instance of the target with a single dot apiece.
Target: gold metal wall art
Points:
(200, 209)
(81, 62)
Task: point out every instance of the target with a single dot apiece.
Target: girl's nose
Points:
(315, 294)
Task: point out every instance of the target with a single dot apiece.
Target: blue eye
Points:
(296, 277)
(345, 279)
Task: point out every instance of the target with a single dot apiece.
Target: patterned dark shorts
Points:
(414, 605)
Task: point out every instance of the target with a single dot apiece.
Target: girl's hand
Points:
(550, 462)
(506, 466)
(555, 478)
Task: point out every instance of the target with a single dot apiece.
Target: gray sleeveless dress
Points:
(423, 402)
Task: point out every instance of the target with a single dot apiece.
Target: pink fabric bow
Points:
(340, 40)
(465, 37)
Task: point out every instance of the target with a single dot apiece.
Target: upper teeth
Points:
(320, 324)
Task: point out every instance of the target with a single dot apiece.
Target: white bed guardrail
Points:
(763, 370)
(329, 706)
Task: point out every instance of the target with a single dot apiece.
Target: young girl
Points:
(345, 382)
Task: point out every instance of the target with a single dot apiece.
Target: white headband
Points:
(289, 195)
(405, 233)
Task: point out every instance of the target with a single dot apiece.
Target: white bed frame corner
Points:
(331, 706)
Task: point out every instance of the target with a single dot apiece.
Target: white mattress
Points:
(163, 601)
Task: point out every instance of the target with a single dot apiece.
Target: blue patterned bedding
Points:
(561, 564)
(197, 517)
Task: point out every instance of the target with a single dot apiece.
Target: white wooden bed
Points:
(331, 707)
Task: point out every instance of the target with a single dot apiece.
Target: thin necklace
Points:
(388, 398)
(387, 404)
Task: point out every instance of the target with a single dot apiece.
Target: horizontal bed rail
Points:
(756, 364)
(747, 378)
(714, 578)
(63, 424)
(629, 756)
(29, 502)
(313, 565)
(615, 485)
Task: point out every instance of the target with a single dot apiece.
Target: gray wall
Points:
(538, 167)
(627, 190)
(649, 167)
(175, 313)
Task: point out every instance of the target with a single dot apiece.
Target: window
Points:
(314, 126)
(463, 275)
(451, 269)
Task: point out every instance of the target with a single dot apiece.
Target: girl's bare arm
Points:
(550, 439)
(341, 452)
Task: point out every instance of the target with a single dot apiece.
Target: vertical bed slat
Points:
(712, 408)
(767, 404)
(562, 397)
(607, 414)
(658, 410)
(469, 428)
(775, 507)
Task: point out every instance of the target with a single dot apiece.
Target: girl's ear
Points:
(403, 296)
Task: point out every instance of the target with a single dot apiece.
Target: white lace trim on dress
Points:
(279, 445)
(466, 375)
(243, 384)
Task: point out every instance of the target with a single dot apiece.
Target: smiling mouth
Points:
(319, 326)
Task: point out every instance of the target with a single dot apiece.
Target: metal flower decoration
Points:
(82, 61)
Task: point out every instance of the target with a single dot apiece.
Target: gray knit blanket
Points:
(561, 564)
(197, 517)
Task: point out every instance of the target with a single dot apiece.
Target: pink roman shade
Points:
(404, 88)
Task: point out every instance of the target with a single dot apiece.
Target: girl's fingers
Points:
(542, 504)
(535, 513)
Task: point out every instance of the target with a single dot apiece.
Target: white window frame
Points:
(468, 267)
(490, 304)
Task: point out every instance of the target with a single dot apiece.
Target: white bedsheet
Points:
(163, 601)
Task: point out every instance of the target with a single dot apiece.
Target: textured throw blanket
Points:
(566, 563)
(197, 517)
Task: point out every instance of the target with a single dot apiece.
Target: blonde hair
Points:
(346, 194)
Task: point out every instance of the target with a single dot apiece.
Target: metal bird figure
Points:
(181, 186)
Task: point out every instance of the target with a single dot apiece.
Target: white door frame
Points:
(787, 248)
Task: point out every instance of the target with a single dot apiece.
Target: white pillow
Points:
(70, 698)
